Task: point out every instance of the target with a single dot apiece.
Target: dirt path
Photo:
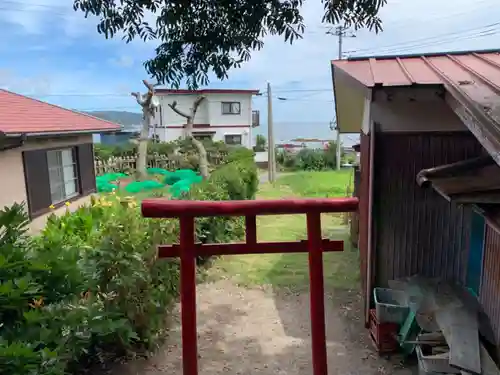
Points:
(256, 331)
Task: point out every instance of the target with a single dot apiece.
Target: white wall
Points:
(261, 157)
(171, 134)
(209, 113)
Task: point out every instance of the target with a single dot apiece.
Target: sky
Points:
(55, 54)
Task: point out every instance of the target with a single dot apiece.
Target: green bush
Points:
(90, 285)
(239, 179)
(240, 154)
(308, 159)
(260, 143)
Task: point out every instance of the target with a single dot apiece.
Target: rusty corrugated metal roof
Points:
(475, 67)
(472, 79)
(476, 73)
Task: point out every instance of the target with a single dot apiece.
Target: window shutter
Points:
(36, 173)
(86, 172)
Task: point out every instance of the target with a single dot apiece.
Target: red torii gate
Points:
(187, 250)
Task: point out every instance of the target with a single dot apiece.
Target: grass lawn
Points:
(291, 270)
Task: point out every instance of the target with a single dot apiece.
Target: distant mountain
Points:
(127, 119)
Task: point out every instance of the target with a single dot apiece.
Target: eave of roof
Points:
(426, 54)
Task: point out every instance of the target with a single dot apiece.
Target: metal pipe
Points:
(451, 170)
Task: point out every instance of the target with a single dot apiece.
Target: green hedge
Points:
(90, 285)
(308, 159)
(182, 146)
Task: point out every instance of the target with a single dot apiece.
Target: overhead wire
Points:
(452, 15)
(434, 39)
(412, 48)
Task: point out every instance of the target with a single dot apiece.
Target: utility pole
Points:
(340, 32)
(270, 135)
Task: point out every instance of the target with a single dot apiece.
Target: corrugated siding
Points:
(418, 231)
(490, 283)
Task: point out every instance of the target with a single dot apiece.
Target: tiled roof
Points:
(20, 114)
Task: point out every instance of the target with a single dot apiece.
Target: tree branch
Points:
(148, 85)
(177, 110)
(141, 100)
(196, 104)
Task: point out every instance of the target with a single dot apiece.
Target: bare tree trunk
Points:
(147, 111)
(142, 151)
(202, 153)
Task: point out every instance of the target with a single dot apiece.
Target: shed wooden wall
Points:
(417, 230)
(490, 280)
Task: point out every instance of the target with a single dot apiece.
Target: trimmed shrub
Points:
(308, 159)
(240, 179)
(240, 154)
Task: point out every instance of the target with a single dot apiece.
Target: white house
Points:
(224, 115)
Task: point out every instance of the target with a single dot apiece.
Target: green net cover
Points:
(196, 179)
(139, 186)
(179, 188)
(171, 178)
(108, 177)
(185, 174)
(182, 174)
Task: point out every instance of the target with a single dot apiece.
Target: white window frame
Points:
(61, 174)
(231, 108)
(233, 135)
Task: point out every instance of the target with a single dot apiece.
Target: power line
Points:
(79, 94)
(432, 44)
(427, 39)
(404, 22)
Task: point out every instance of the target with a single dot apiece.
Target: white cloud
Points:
(37, 16)
(124, 61)
(304, 65)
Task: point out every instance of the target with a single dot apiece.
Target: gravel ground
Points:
(259, 331)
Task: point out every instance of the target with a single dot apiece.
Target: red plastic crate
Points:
(383, 335)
